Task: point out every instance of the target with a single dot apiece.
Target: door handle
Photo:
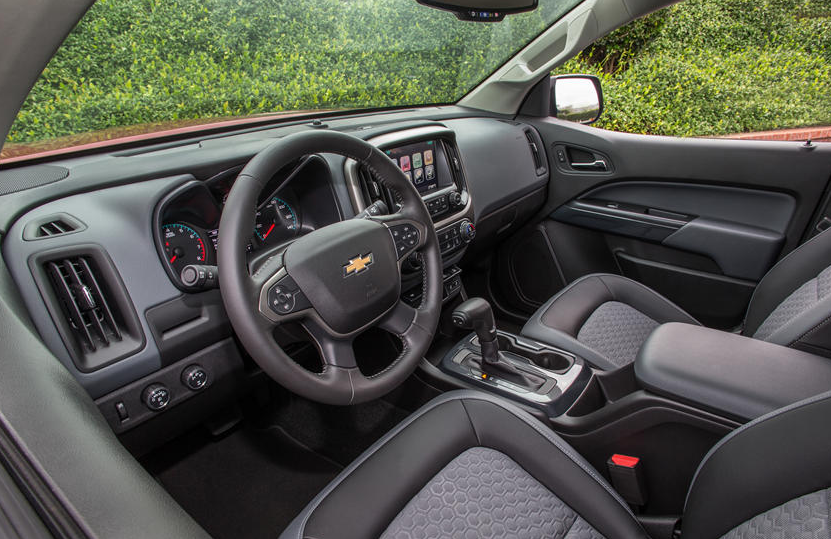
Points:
(597, 164)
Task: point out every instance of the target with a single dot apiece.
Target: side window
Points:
(718, 68)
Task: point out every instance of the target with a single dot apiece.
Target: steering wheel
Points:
(337, 281)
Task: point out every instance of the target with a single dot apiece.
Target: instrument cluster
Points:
(188, 219)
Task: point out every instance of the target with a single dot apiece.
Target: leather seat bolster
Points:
(369, 494)
(767, 462)
(559, 320)
(569, 310)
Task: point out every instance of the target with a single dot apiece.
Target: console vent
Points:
(84, 303)
(536, 153)
(373, 191)
(89, 305)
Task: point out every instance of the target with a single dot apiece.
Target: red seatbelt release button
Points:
(625, 461)
(626, 473)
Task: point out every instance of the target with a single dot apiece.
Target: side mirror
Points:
(576, 98)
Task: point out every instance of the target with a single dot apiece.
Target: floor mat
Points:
(341, 433)
(250, 483)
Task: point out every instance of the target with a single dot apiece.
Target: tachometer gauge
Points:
(276, 221)
(183, 246)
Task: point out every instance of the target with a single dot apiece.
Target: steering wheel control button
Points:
(194, 377)
(406, 237)
(285, 297)
(156, 397)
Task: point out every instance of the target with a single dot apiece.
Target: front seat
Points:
(469, 464)
(606, 318)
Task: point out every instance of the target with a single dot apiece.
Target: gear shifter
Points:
(476, 314)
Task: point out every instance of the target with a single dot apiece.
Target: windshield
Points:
(134, 67)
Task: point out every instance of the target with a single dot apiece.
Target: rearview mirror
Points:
(482, 10)
(576, 98)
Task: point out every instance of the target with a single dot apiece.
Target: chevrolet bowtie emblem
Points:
(357, 265)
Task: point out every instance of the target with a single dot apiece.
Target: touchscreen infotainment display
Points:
(419, 162)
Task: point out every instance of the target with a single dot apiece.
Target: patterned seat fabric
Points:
(806, 517)
(617, 331)
(804, 298)
(482, 493)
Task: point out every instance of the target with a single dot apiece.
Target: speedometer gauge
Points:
(276, 222)
(183, 246)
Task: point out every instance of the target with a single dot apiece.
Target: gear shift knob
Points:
(476, 314)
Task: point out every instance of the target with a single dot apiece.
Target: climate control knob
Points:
(194, 377)
(467, 231)
(156, 397)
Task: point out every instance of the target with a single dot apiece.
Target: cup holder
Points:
(548, 359)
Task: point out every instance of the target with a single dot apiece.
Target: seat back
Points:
(770, 475)
(792, 304)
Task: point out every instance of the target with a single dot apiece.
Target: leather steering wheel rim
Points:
(311, 264)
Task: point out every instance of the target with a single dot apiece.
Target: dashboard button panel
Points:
(437, 206)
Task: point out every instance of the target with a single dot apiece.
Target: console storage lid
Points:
(727, 373)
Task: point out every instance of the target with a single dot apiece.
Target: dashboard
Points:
(123, 225)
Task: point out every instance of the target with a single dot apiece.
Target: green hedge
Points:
(712, 67)
(703, 67)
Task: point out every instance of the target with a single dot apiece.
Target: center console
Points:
(689, 387)
(429, 157)
(728, 374)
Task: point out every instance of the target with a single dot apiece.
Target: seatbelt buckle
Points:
(627, 478)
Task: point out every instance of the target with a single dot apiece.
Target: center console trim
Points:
(557, 395)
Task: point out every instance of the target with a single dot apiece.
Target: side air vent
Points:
(51, 226)
(84, 303)
(90, 307)
(536, 153)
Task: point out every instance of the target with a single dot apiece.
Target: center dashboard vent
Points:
(50, 226)
(535, 145)
(90, 307)
(373, 190)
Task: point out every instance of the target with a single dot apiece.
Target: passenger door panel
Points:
(699, 220)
